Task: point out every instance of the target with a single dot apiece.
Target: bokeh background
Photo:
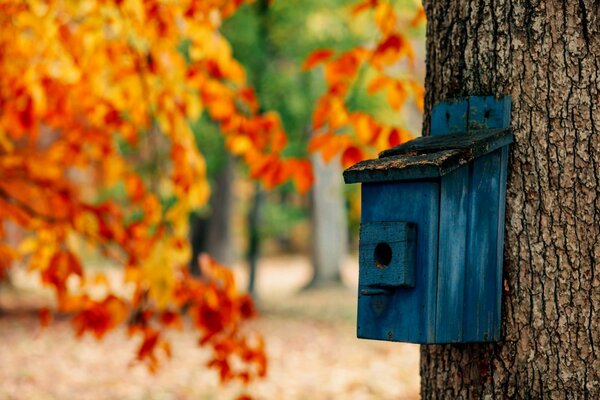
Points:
(295, 253)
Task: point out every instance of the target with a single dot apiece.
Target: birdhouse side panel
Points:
(454, 209)
(483, 279)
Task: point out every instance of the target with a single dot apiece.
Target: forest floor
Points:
(310, 336)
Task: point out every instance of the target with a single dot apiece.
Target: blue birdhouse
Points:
(432, 229)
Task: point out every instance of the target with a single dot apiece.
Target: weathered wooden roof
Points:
(428, 156)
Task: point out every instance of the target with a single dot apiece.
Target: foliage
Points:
(97, 103)
(341, 126)
(271, 40)
(92, 90)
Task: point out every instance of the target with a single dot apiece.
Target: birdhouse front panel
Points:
(400, 312)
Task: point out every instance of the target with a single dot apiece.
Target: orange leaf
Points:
(338, 114)
(62, 265)
(7, 256)
(367, 130)
(317, 57)
(148, 345)
(321, 112)
(418, 94)
(378, 83)
(391, 50)
(275, 175)
(385, 17)
(302, 174)
(334, 146)
(343, 68)
(135, 187)
(317, 141)
(248, 95)
(220, 109)
(418, 18)
(100, 317)
(396, 95)
(362, 6)
(238, 144)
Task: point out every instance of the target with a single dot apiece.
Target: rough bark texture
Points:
(546, 55)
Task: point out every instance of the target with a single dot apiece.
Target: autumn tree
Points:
(91, 93)
(545, 55)
(97, 100)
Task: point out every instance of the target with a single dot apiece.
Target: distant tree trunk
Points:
(254, 237)
(546, 55)
(328, 223)
(212, 234)
(220, 237)
(266, 48)
(198, 236)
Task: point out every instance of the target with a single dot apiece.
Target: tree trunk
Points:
(546, 56)
(254, 217)
(219, 242)
(328, 223)
(213, 234)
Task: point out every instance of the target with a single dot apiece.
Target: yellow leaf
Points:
(385, 17)
(396, 95)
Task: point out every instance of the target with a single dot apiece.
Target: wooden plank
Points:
(481, 283)
(478, 143)
(449, 117)
(407, 167)
(497, 332)
(491, 113)
(403, 314)
(488, 112)
(431, 157)
(387, 252)
(454, 205)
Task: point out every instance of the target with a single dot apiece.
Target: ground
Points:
(310, 336)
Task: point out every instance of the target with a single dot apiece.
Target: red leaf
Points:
(45, 316)
(302, 174)
(316, 57)
(351, 156)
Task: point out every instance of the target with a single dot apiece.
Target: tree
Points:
(545, 55)
(329, 227)
(97, 150)
(92, 94)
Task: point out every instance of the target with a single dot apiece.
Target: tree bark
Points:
(546, 56)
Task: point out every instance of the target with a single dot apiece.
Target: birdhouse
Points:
(432, 229)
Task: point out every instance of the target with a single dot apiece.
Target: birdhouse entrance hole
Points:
(382, 255)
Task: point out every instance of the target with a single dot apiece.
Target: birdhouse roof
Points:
(428, 156)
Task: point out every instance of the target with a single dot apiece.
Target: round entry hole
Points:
(382, 255)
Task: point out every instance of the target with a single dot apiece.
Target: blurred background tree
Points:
(272, 40)
(117, 116)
